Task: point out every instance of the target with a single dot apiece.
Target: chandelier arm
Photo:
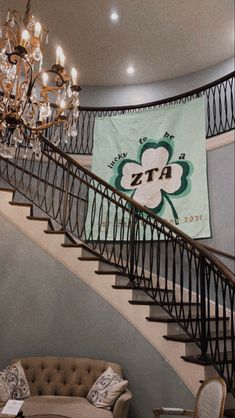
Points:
(11, 36)
(27, 11)
(59, 83)
(18, 23)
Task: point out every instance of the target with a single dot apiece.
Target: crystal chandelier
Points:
(32, 99)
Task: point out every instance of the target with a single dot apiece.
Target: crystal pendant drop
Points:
(56, 139)
(75, 112)
(37, 149)
(12, 22)
(73, 130)
(37, 55)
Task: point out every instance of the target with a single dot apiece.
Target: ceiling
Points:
(161, 39)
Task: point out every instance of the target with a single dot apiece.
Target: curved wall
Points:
(220, 163)
(138, 94)
(46, 310)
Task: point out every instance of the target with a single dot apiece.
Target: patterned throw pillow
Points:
(13, 383)
(107, 388)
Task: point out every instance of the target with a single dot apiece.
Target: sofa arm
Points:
(121, 406)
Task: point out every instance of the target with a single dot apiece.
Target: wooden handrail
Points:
(219, 252)
(162, 101)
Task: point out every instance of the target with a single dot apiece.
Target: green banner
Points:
(158, 157)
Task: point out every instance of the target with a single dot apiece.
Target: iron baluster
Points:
(66, 197)
(132, 244)
(203, 318)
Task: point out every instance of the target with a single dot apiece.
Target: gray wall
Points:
(137, 94)
(46, 310)
(221, 195)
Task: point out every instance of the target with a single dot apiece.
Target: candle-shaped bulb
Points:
(60, 56)
(62, 104)
(74, 75)
(44, 79)
(24, 37)
(37, 29)
(62, 60)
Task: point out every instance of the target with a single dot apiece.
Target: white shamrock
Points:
(148, 185)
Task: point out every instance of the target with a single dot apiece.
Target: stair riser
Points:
(86, 253)
(154, 310)
(105, 266)
(140, 295)
(174, 329)
(191, 349)
(121, 280)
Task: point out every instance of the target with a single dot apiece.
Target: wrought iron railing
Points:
(170, 267)
(219, 108)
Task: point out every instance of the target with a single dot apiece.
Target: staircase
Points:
(113, 285)
(175, 293)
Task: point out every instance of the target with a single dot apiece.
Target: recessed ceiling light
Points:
(114, 16)
(130, 70)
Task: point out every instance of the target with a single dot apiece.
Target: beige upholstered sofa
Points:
(59, 385)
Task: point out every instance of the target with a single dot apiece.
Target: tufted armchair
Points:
(59, 385)
(209, 402)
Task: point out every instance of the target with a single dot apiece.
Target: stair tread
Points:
(6, 189)
(89, 258)
(94, 258)
(186, 338)
(21, 204)
(128, 286)
(123, 287)
(38, 218)
(229, 413)
(70, 245)
(169, 319)
(55, 232)
(146, 302)
(116, 272)
(199, 359)
(181, 338)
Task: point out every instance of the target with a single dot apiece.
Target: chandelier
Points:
(32, 99)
